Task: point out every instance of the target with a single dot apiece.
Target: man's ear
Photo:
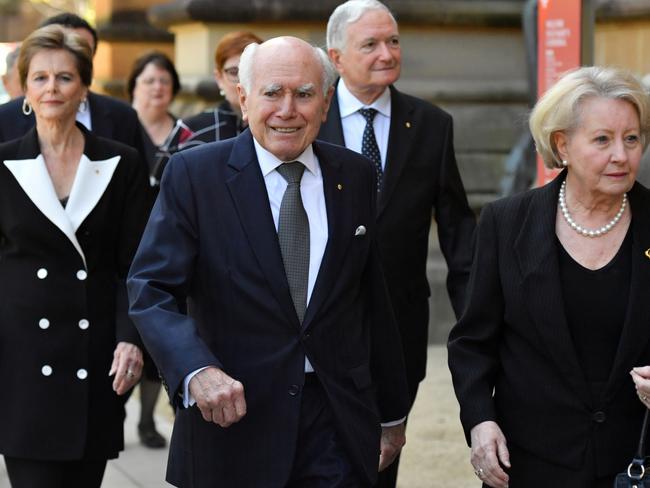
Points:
(335, 57)
(328, 101)
(243, 99)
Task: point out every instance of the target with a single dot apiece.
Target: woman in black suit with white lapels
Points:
(72, 207)
(549, 359)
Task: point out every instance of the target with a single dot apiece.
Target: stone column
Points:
(125, 33)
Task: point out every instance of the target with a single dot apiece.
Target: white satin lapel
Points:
(89, 185)
(34, 179)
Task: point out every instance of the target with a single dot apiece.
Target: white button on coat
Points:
(41, 273)
(46, 370)
(82, 275)
(44, 323)
(82, 374)
(84, 324)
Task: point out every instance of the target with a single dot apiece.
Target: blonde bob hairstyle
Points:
(559, 109)
(55, 38)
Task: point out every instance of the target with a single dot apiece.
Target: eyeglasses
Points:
(232, 74)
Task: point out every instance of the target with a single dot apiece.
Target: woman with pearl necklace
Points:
(550, 358)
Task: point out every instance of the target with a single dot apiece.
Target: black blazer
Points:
(62, 278)
(513, 339)
(110, 118)
(211, 237)
(421, 177)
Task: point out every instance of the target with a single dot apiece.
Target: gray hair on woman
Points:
(348, 13)
(560, 108)
(247, 60)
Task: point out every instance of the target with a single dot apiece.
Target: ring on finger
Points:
(479, 472)
(130, 373)
(644, 398)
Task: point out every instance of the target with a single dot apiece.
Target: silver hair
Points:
(11, 58)
(247, 59)
(348, 13)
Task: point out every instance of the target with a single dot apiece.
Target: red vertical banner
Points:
(558, 51)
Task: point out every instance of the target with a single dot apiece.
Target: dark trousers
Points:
(321, 461)
(30, 473)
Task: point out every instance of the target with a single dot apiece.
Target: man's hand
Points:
(219, 397)
(127, 367)
(489, 452)
(392, 440)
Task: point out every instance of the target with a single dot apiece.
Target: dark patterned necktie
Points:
(293, 234)
(369, 146)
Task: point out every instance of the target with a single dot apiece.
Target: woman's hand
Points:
(127, 367)
(488, 449)
(641, 378)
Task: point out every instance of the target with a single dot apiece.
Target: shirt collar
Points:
(349, 104)
(268, 162)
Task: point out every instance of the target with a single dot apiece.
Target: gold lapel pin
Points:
(647, 253)
(340, 187)
(408, 125)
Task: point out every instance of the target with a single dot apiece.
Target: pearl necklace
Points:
(581, 230)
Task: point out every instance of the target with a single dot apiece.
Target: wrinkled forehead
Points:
(288, 70)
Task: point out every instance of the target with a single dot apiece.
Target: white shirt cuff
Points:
(188, 399)
(393, 423)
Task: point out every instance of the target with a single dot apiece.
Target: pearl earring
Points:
(565, 163)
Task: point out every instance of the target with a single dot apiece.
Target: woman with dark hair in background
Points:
(72, 209)
(152, 85)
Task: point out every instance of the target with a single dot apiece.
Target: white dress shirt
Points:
(84, 117)
(354, 123)
(313, 199)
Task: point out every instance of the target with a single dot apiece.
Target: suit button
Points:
(43, 323)
(599, 417)
(82, 275)
(41, 273)
(82, 374)
(294, 390)
(84, 324)
(46, 370)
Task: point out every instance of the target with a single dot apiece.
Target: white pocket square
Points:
(361, 231)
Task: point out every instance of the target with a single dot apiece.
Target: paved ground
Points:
(435, 455)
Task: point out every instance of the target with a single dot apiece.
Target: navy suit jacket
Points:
(421, 177)
(211, 239)
(110, 118)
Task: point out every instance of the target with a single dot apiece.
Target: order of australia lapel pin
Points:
(647, 253)
(339, 186)
(408, 125)
(361, 231)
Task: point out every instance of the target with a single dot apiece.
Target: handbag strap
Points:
(636, 470)
(640, 452)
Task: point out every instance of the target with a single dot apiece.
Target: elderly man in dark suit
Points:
(410, 143)
(288, 365)
(104, 116)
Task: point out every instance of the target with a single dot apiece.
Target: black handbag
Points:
(636, 476)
